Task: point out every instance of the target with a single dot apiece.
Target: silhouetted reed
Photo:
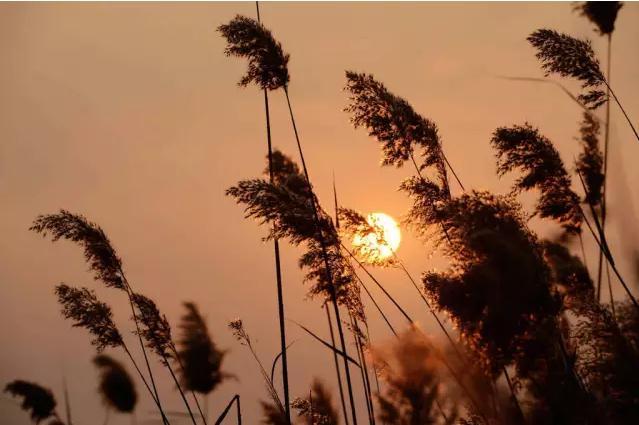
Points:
(525, 149)
(267, 62)
(601, 13)
(317, 408)
(394, 123)
(156, 330)
(275, 408)
(83, 307)
(103, 261)
(267, 68)
(590, 160)
(200, 357)
(116, 386)
(570, 57)
(98, 252)
(36, 400)
(286, 204)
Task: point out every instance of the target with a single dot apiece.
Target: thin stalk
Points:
(430, 308)
(614, 96)
(380, 286)
(129, 292)
(583, 253)
(197, 403)
(381, 312)
(603, 244)
(368, 336)
(605, 167)
(146, 384)
(337, 371)
(236, 398)
(278, 269)
(612, 300)
(326, 262)
(238, 409)
(363, 371)
(179, 387)
(520, 412)
(67, 403)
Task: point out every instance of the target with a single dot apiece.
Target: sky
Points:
(130, 114)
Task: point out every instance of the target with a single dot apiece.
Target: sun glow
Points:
(379, 244)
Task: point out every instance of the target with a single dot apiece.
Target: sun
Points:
(380, 243)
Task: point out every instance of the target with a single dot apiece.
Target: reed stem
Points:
(329, 273)
(337, 368)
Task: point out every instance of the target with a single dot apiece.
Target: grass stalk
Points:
(337, 368)
(278, 269)
(329, 272)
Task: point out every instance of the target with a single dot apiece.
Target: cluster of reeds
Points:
(529, 340)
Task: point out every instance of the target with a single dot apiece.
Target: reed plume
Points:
(367, 238)
(287, 205)
(98, 252)
(491, 248)
(570, 57)
(601, 13)
(83, 307)
(590, 160)
(36, 400)
(116, 386)
(274, 411)
(317, 408)
(394, 123)
(200, 357)
(267, 62)
(155, 328)
(524, 148)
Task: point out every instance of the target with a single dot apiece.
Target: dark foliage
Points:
(201, 360)
(570, 57)
(394, 123)
(155, 328)
(37, 400)
(590, 161)
(524, 148)
(601, 13)
(317, 408)
(267, 62)
(83, 307)
(116, 386)
(605, 358)
(98, 252)
(497, 291)
(287, 205)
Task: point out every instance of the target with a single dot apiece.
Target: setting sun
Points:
(380, 244)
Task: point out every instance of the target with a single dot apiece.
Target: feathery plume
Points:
(523, 147)
(570, 57)
(37, 400)
(601, 13)
(98, 252)
(82, 306)
(590, 161)
(201, 359)
(368, 238)
(273, 411)
(267, 62)
(155, 327)
(116, 386)
(287, 205)
(490, 249)
(394, 123)
(318, 408)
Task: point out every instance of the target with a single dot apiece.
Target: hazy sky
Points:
(130, 114)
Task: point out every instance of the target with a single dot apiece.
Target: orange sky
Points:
(130, 114)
